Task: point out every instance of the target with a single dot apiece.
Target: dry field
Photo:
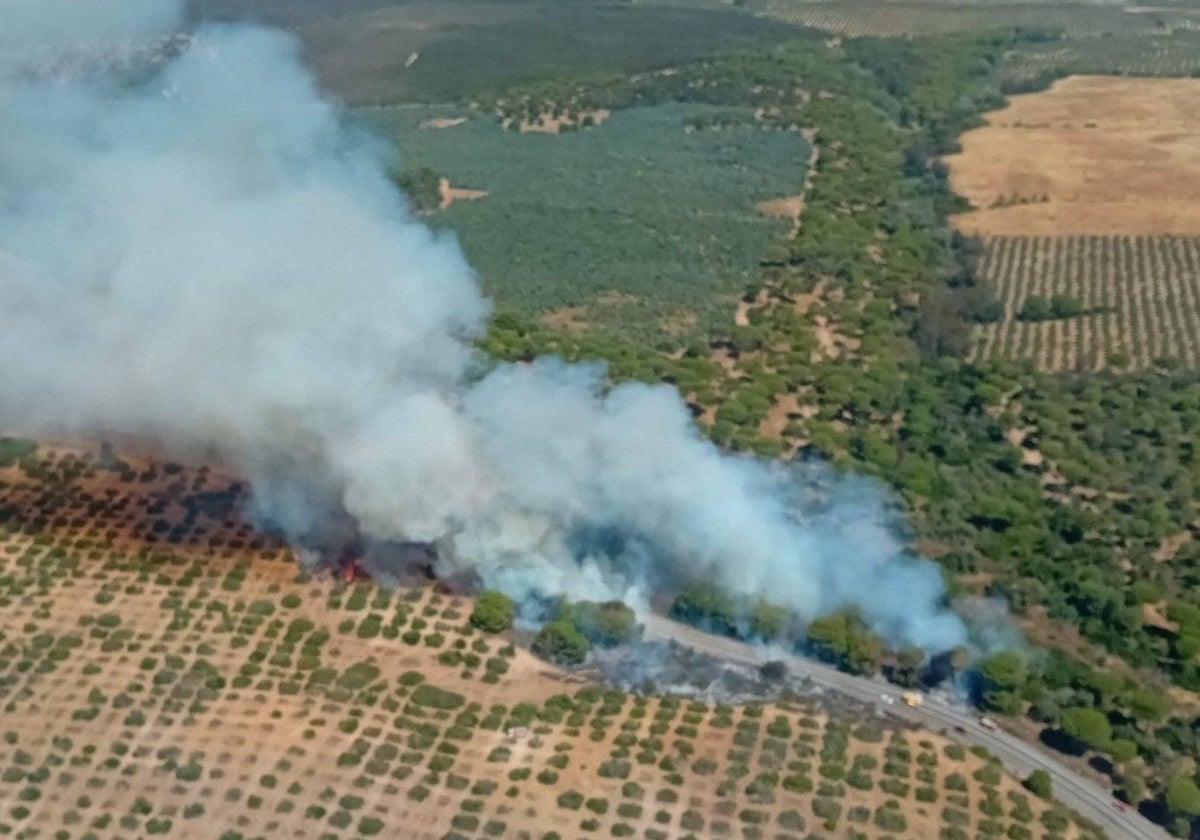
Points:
(166, 671)
(1141, 296)
(1088, 190)
(1092, 156)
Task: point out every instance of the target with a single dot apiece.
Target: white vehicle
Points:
(887, 699)
(988, 723)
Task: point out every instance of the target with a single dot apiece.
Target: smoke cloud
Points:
(211, 257)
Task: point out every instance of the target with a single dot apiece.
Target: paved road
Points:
(1021, 758)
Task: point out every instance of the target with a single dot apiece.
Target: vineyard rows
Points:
(858, 18)
(1141, 297)
(1177, 54)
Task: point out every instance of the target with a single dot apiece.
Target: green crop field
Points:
(641, 219)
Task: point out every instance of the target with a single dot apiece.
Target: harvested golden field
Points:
(1094, 155)
(165, 670)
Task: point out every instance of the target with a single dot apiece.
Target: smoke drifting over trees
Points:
(211, 257)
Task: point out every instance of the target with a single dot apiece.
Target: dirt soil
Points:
(161, 668)
(1093, 155)
(442, 122)
(789, 207)
(450, 194)
(547, 123)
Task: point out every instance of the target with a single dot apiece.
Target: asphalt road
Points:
(1077, 792)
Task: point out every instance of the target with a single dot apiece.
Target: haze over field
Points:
(212, 258)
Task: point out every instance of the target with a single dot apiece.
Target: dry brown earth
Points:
(1094, 155)
(164, 670)
(450, 194)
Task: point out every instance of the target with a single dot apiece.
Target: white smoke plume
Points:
(212, 257)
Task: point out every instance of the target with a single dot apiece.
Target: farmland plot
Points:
(165, 672)
(1140, 296)
(1091, 156)
(1134, 54)
(857, 18)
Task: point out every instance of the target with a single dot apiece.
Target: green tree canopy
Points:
(1150, 704)
(1039, 784)
(560, 643)
(1004, 675)
(606, 624)
(844, 639)
(1183, 796)
(1089, 726)
(768, 621)
(1122, 750)
(493, 612)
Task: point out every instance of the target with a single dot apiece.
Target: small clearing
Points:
(789, 207)
(1169, 547)
(547, 123)
(787, 407)
(450, 194)
(832, 342)
(437, 123)
(569, 318)
(792, 206)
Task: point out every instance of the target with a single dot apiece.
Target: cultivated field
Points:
(638, 223)
(1087, 191)
(1137, 54)
(166, 671)
(370, 52)
(858, 17)
(1140, 296)
(1094, 155)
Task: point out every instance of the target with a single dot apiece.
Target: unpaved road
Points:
(1021, 758)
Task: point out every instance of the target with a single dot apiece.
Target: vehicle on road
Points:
(988, 723)
(912, 699)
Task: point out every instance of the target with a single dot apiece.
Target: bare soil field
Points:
(1094, 155)
(165, 669)
(448, 194)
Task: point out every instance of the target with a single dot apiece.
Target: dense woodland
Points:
(1074, 541)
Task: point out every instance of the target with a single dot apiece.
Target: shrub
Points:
(437, 698)
(1039, 784)
(493, 612)
(561, 643)
(358, 676)
(188, 772)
